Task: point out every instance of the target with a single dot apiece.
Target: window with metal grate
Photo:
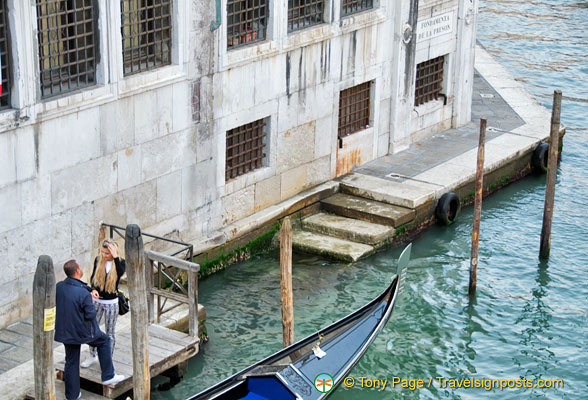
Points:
(245, 149)
(246, 21)
(146, 28)
(304, 13)
(354, 109)
(5, 100)
(68, 45)
(429, 80)
(349, 7)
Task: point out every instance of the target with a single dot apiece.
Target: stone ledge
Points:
(331, 247)
(348, 228)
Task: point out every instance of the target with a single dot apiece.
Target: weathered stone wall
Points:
(150, 148)
(127, 150)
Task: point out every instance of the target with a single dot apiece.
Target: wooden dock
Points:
(157, 283)
(167, 348)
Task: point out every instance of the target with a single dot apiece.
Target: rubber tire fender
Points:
(539, 158)
(448, 208)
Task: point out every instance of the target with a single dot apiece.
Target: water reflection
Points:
(535, 357)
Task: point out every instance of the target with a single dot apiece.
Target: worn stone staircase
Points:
(349, 227)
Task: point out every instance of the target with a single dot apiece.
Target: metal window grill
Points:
(245, 146)
(349, 7)
(6, 59)
(67, 44)
(146, 27)
(429, 78)
(354, 109)
(304, 13)
(246, 21)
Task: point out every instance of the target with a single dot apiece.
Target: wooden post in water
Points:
(286, 282)
(477, 209)
(139, 313)
(44, 328)
(551, 176)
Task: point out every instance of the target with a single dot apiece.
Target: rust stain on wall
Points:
(347, 161)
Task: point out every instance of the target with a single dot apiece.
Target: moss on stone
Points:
(259, 245)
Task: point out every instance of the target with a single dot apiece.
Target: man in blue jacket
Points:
(76, 325)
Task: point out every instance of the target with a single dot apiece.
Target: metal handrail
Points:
(186, 246)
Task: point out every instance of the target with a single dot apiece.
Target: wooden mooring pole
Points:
(286, 282)
(551, 176)
(44, 328)
(139, 314)
(477, 209)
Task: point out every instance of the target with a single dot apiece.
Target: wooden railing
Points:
(163, 270)
(165, 276)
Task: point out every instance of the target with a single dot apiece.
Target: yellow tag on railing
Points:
(49, 319)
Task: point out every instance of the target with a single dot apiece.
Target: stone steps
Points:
(348, 228)
(328, 246)
(368, 210)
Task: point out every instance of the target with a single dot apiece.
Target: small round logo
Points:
(323, 382)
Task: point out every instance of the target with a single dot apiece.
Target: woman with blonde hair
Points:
(108, 269)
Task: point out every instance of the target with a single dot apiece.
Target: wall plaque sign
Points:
(433, 27)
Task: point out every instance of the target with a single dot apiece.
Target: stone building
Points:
(186, 116)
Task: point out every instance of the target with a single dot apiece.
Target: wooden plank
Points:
(551, 180)
(60, 393)
(43, 328)
(171, 335)
(161, 358)
(139, 311)
(286, 282)
(149, 278)
(477, 209)
(165, 293)
(193, 302)
(172, 261)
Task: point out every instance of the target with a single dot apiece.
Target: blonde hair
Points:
(104, 282)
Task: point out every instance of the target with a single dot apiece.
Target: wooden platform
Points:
(60, 393)
(167, 348)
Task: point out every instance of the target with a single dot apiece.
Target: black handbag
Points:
(123, 303)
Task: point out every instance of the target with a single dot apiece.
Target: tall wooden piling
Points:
(477, 209)
(551, 176)
(286, 282)
(44, 328)
(139, 312)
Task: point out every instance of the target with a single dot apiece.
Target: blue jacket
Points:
(76, 314)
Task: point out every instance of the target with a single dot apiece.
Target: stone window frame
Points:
(353, 7)
(251, 144)
(367, 111)
(147, 30)
(316, 16)
(28, 107)
(251, 30)
(5, 40)
(430, 78)
(68, 45)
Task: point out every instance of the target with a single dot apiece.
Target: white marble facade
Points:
(150, 148)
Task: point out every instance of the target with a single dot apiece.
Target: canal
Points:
(529, 318)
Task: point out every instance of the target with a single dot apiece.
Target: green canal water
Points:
(529, 319)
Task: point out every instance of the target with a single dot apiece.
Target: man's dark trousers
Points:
(72, 364)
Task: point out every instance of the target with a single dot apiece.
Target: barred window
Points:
(354, 109)
(146, 28)
(246, 21)
(6, 60)
(245, 149)
(429, 78)
(349, 7)
(67, 45)
(303, 13)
